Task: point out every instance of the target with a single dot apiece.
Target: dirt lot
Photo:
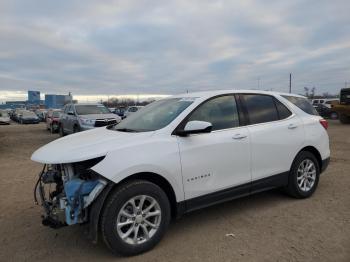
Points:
(267, 227)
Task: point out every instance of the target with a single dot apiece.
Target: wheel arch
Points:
(313, 151)
(160, 181)
(99, 204)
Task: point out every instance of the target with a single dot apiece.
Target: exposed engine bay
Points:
(66, 191)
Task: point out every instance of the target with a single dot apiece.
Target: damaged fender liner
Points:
(95, 211)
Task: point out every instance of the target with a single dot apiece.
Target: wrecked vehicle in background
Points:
(53, 120)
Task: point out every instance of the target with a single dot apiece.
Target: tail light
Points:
(324, 123)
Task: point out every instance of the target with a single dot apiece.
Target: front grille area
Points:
(105, 122)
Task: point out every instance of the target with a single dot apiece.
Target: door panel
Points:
(274, 146)
(214, 161)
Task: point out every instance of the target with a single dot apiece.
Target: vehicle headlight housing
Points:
(87, 122)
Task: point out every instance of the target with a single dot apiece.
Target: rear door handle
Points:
(292, 126)
(239, 136)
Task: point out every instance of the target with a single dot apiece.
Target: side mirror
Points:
(71, 113)
(195, 127)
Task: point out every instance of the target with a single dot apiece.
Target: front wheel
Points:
(135, 218)
(304, 175)
(62, 131)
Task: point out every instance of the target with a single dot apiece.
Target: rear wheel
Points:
(135, 217)
(304, 175)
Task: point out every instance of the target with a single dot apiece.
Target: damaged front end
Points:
(66, 192)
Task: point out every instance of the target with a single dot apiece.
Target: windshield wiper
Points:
(126, 130)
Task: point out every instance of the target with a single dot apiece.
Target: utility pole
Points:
(290, 83)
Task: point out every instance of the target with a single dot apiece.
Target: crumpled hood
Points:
(86, 145)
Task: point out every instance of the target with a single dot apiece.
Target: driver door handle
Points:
(239, 136)
(292, 126)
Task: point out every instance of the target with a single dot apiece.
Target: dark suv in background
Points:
(80, 117)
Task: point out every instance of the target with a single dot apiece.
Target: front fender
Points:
(160, 157)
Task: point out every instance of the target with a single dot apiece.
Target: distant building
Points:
(34, 97)
(14, 104)
(56, 101)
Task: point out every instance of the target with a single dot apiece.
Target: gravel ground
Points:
(266, 227)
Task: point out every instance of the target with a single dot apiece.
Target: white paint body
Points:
(228, 157)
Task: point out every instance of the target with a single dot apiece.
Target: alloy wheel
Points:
(138, 220)
(306, 175)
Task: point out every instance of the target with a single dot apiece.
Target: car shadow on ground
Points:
(206, 217)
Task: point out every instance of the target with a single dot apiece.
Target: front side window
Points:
(261, 108)
(302, 103)
(221, 112)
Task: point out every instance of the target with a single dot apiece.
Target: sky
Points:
(126, 47)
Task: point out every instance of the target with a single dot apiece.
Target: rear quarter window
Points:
(283, 111)
(303, 104)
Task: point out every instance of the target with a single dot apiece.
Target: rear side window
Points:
(283, 111)
(303, 104)
(261, 108)
(221, 112)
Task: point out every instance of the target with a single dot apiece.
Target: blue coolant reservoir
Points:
(76, 189)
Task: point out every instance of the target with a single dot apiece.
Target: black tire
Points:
(293, 189)
(51, 129)
(344, 119)
(76, 129)
(62, 131)
(118, 198)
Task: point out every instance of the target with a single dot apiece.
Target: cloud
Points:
(167, 47)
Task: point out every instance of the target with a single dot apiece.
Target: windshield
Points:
(91, 109)
(56, 113)
(155, 115)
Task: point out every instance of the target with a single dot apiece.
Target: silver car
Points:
(81, 117)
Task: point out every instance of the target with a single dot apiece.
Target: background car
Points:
(4, 118)
(326, 112)
(130, 110)
(120, 111)
(41, 114)
(80, 117)
(53, 120)
(324, 101)
(27, 117)
(15, 113)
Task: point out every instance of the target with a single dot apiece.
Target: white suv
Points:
(176, 155)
